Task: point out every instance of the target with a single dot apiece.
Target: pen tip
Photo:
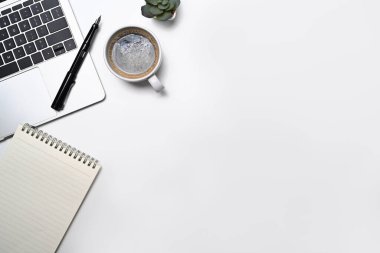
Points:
(98, 20)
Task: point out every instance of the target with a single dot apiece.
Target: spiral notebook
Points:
(43, 182)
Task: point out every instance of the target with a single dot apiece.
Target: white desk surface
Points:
(268, 139)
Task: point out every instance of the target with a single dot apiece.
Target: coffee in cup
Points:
(134, 54)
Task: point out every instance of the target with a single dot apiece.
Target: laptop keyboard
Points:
(32, 32)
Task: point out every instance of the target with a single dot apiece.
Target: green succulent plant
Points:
(160, 9)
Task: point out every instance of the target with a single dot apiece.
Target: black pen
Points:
(69, 81)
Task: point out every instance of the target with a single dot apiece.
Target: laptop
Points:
(39, 40)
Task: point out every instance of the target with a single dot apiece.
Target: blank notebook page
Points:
(41, 189)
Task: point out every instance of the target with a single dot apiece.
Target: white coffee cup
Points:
(150, 74)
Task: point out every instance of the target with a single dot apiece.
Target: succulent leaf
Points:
(152, 2)
(174, 3)
(155, 10)
(164, 2)
(146, 12)
(171, 6)
(163, 7)
(165, 16)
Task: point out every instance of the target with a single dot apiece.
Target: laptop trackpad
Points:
(24, 99)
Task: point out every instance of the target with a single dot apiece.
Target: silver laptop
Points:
(39, 40)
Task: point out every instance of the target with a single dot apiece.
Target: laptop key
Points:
(8, 69)
(2, 49)
(30, 48)
(14, 17)
(3, 34)
(48, 53)
(7, 11)
(25, 62)
(35, 21)
(70, 45)
(57, 25)
(60, 36)
(24, 25)
(36, 8)
(20, 39)
(37, 58)
(59, 49)
(48, 4)
(41, 44)
(4, 22)
(8, 57)
(46, 17)
(26, 13)
(9, 44)
(17, 7)
(27, 3)
(1, 61)
(13, 30)
(19, 52)
(57, 12)
(42, 31)
(31, 35)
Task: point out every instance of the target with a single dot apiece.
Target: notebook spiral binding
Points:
(59, 145)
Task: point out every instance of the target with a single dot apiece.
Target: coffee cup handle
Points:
(156, 84)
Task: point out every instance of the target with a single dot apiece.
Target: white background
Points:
(267, 140)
